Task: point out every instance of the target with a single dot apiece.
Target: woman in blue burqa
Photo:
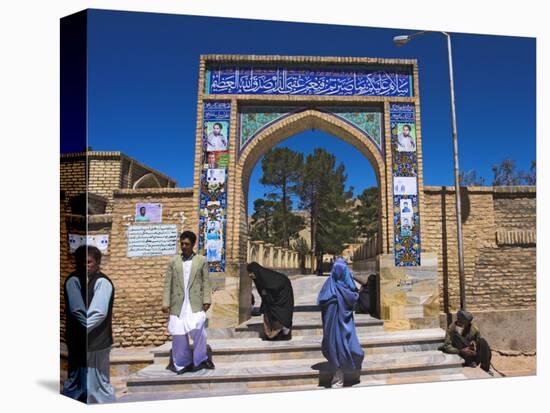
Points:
(340, 343)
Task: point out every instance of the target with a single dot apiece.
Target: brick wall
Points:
(138, 320)
(72, 179)
(500, 272)
(497, 276)
(107, 172)
(516, 208)
(104, 177)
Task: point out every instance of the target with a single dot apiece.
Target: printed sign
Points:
(404, 185)
(152, 240)
(100, 241)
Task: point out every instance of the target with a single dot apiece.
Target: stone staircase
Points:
(246, 364)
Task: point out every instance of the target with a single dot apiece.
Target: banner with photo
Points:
(405, 184)
(147, 212)
(213, 188)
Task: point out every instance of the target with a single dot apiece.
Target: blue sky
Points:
(143, 75)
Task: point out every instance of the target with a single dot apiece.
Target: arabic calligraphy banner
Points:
(374, 81)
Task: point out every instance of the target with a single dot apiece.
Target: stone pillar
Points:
(269, 250)
(261, 250)
(255, 246)
(409, 296)
(276, 257)
(228, 289)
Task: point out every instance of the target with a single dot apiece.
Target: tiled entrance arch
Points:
(326, 93)
(292, 125)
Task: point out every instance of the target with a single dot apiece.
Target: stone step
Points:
(366, 380)
(255, 349)
(310, 323)
(252, 374)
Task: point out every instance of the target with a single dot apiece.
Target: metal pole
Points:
(457, 182)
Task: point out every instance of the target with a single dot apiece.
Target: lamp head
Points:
(401, 40)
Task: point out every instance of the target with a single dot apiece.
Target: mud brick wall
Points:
(102, 173)
(499, 235)
(137, 316)
(72, 177)
(104, 177)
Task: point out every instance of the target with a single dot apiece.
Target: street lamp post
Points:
(401, 41)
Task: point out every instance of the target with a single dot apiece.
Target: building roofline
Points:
(112, 155)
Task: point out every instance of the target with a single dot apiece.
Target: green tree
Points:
(286, 225)
(366, 213)
(336, 228)
(282, 170)
(302, 248)
(261, 228)
(322, 193)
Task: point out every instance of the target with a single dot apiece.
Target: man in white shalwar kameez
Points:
(89, 297)
(186, 299)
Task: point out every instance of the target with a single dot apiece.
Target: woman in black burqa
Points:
(277, 301)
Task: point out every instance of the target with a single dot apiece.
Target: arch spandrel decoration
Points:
(300, 122)
(263, 100)
(253, 120)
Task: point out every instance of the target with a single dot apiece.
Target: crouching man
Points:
(463, 338)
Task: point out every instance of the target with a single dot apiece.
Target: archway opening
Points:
(285, 220)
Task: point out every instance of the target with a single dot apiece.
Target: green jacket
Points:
(199, 285)
(471, 335)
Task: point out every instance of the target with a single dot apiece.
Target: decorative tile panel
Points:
(405, 185)
(213, 188)
(324, 81)
(253, 120)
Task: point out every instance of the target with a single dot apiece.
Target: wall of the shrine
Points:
(499, 249)
(499, 235)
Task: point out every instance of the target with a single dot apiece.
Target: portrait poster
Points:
(213, 230)
(406, 137)
(216, 135)
(146, 212)
(214, 250)
(215, 160)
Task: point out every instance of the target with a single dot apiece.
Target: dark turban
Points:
(464, 316)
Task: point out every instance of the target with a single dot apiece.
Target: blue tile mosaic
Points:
(213, 184)
(253, 120)
(406, 215)
(325, 81)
